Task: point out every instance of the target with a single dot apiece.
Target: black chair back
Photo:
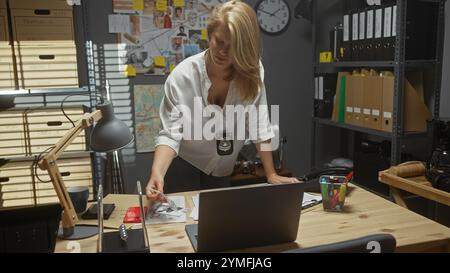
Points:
(377, 243)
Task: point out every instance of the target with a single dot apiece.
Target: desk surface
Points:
(365, 214)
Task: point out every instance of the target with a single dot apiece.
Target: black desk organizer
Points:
(135, 240)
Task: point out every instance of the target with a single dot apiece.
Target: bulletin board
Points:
(158, 34)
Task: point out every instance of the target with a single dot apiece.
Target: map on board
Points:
(147, 99)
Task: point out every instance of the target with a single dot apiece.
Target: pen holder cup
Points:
(334, 190)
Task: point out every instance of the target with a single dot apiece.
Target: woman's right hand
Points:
(156, 182)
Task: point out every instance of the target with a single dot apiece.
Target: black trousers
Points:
(182, 176)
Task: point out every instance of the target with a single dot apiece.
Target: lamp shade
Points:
(110, 133)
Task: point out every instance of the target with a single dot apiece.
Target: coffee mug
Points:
(79, 196)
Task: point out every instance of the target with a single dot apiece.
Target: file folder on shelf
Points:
(362, 36)
(370, 41)
(355, 36)
(388, 39)
(346, 39)
(378, 52)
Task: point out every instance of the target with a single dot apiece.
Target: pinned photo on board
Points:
(181, 31)
(191, 4)
(176, 44)
(149, 7)
(192, 18)
(137, 59)
(178, 14)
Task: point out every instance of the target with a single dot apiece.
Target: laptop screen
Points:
(249, 216)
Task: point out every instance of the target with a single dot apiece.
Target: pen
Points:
(348, 177)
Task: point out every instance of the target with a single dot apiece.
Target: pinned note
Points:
(130, 70)
(118, 23)
(138, 4)
(178, 3)
(160, 61)
(148, 62)
(204, 34)
(161, 5)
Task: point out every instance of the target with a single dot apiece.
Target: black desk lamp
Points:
(109, 134)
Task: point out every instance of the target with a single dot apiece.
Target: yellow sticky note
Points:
(171, 67)
(160, 61)
(138, 4)
(326, 57)
(161, 5)
(178, 3)
(130, 70)
(204, 34)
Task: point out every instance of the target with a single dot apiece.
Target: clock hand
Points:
(273, 14)
(265, 12)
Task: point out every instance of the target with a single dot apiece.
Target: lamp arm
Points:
(48, 163)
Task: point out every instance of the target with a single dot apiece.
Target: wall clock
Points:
(273, 16)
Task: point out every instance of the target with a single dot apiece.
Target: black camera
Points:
(438, 171)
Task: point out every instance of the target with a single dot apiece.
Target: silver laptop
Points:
(244, 217)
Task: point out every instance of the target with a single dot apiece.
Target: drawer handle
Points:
(42, 11)
(65, 174)
(46, 57)
(4, 179)
(54, 123)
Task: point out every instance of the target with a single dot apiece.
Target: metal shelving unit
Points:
(339, 66)
(369, 131)
(399, 65)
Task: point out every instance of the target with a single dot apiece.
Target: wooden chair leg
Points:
(396, 193)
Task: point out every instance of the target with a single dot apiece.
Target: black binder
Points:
(362, 35)
(354, 35)
(346, 38)
(370, 38)
(378, 34)
(388, 39)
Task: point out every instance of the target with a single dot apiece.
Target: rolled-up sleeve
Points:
(264, 129)
(171, 131)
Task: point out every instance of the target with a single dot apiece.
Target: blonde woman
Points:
(229, 73)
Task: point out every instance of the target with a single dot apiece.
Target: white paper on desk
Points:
(194, 212)
(309, 199)
(118, 23)
(163, 217)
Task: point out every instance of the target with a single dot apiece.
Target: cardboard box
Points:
(19, 186)
(16, 184)
(42, 25)
(354, 88)
(373, 100)
(4, 33)
(349, 100)
(47, 64)
(415, 112)
(74, 172)
(7, 75)
(45, 126)
(338, 96)
(39, 4)
(12, 133)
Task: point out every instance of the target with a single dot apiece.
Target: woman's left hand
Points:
(277, 179)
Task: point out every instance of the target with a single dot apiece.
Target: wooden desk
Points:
(365, 214)
(256, 177)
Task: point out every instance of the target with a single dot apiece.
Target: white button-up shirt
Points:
(188, 86)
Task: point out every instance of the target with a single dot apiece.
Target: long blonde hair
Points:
(245, 46)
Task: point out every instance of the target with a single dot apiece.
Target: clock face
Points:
(273, 15)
